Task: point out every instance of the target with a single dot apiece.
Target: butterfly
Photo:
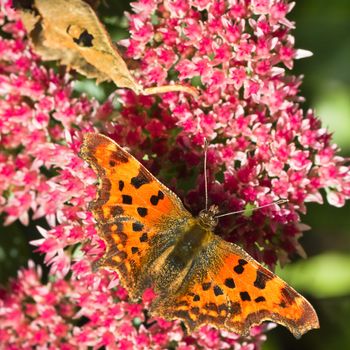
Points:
(153, 241)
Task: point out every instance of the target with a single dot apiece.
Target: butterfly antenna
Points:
(205, 173)
(280, 201)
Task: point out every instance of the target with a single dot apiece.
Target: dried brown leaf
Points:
(70, 31)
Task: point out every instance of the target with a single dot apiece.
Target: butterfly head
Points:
(207, 217)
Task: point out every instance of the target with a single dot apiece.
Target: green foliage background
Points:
(323, 27)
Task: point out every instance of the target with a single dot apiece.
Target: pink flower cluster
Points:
(263, 146)
(86, 313)
(41, 175)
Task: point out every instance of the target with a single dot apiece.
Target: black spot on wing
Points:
(137, 226)
(121, 185)
(242, 262)
(245, 296)
(240, 267)
(259, 299)
(156, 198)
(261, 279)
(141, 179)
(230, 283)
(126, 199)
(118, 156)
(288, 295)
(142, 211)
(218, 291)
(206, 285)
(196, 298)
(134, 250)
(144, 237)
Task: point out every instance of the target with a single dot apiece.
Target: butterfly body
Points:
(193, 239)
(171, 263)
(153, 241)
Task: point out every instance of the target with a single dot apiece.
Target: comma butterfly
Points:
(153, 241)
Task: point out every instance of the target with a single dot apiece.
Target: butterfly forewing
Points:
(131, 208)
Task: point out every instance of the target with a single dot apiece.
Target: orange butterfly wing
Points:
(132, 207)
(231, 290)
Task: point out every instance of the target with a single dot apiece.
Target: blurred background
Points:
(322, 27)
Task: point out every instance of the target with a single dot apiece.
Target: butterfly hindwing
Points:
(131, 208)
(259, 294)
(236, 292)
